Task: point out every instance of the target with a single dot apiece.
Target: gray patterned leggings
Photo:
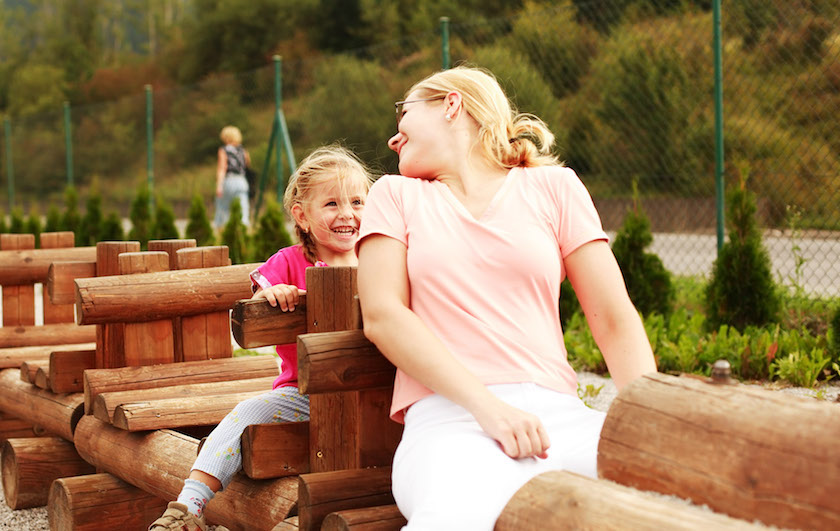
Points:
(220, 456)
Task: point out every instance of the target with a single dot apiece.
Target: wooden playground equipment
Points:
(108, 432)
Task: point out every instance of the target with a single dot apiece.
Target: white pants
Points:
(449, 474)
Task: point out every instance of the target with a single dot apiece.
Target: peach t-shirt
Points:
(488, 287)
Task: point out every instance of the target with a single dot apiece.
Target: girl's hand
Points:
(519, 433)
(286, 295)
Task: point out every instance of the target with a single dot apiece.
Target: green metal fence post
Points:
(278, 111)
(10, 167)
(444, 42)
(150, 151)
(718, 125)
(68, 143)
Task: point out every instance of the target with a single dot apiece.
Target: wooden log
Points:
(146, 342)
(18, 300)
(178, 412)
(289, 524)
(14, 428)
(105, 403)
(255, 323)
(275, 450)
(42, 378)
(57, 414)
(348, 429)
(326, 492)
(14, 356)
(381, 518)
(563, 500)
(31, 465)
(153, 296)
(341, 361)
(191, 372)
(56, 313)
(160, 460)
(28, 369)
(110, 337)
(205, 336)
(30, 265)
(61, 277)
(100, 501)
(67, 368)
(54, 334)
(171, 248)
(730, 447)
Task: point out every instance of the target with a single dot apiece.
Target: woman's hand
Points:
(219, 191)
(286, 295)
(519, 433)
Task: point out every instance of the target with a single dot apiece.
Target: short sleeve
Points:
(274, 271)
(579, 222)
(384, 210)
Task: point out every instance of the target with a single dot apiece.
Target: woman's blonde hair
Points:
(231, 135)
(507, 137)
(334, 164)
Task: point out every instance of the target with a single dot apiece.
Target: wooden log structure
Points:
(28, 370)
(29, 466)
(14, 428)
(100, 501)
(67, 368)
(57, 414)
(31, 266)
(110, 337)
(160, 460)
(341, 361)
(18, 297)
(56, 313)
(61, 277)
(54, 334)
(561, 500)
(105, 403)
(190, 372)
(745, 452)
(13, 356)
(255, 323)
(275, 450)
(322, 493)
(42, 377)
(153, 296)
(380, 518)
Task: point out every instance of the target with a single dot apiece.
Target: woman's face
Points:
(420, 137)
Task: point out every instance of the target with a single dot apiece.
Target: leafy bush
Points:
(271, 234)
(112, 229)
(198, 225)
(741, 291)
(235, 235)
(3, 224)
(834, 334)
(141, 217)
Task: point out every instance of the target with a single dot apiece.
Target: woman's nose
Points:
(394, 141)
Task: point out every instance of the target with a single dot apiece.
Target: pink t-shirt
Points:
(286, 266)
(489, 288)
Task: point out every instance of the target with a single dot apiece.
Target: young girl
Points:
(325, 197)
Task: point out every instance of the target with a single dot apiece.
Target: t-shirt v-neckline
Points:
(491, 206)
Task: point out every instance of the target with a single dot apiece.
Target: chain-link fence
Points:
(627, 86)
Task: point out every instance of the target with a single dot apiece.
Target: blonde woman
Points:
(231, 183)
(460, 264)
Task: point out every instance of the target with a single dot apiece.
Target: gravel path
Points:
(602, 393)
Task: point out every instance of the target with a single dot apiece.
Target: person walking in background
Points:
(460, 264)
(325, 196)
(230, 176)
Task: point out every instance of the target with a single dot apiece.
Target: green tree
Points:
(2, 223)
(71, 220)
(741, 291)
(271, 234)
(33, 226)
(648, 282)
(17, 225)
(112, 229)
(164, 225)
(92, 221)
(198, 225)
(53, 223)
(235, 235)
(141, 217)
(36, 88)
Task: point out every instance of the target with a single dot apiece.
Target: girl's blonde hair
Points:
(231, 135)
(507, 137)
(332, 164)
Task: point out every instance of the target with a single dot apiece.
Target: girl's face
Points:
(332, 214)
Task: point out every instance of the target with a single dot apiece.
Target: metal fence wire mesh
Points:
(627, 86)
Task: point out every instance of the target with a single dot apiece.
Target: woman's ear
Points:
(452, 104)
(300, 217)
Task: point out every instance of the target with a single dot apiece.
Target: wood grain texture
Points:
(380, 518)
(67, 368)
(18, 295)
(275, 450)
(57, 414)
(341, 361)
(255, 323)
(61, 279)
(165, 413)
(327, 492)
(14, 356)
(54, 334)
(30, 265)
(56, 313)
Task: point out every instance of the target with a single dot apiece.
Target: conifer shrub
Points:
(71, 220)
(164, 224)
(271, 234)
(741, 291)
(2, 223)
(32, 225)
(235, 235)
(648, 282)
(569, 304)
(17, 225)
(91, 224)
(112, 229)
(53, 223)
(834, 332)
(141, 218)
(198, 225)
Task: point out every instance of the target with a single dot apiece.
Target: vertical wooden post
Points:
(147, 342)
(18, 301)
(55, 313)
(350, 429)
(206, 336)
(171, 247)
(109, 337)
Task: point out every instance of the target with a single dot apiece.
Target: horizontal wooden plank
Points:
(61, 279)
(178, 412)
(52, 334)
(255, 323)
(341, 361)
(322, 493)
(31, 266)
(14, 356)
(379, 518)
